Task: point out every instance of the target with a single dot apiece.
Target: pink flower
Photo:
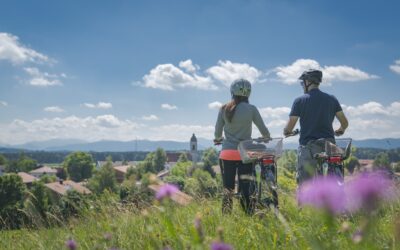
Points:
(166, 191)
(220, 246)
(71, 244)
(324, 193)
(367, 190)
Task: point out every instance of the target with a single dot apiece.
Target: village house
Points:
(60, 188)
(366, 165)
(27, 179)
(99, 164)
(120, 172)
(39, 172)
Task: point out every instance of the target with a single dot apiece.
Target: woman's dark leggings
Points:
(246, 185)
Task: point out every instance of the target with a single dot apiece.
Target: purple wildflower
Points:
(324, 193)
(71, 244)
(220, 246)
(367, 190)
(166, 190)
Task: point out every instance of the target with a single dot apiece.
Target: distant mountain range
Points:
(146, 145)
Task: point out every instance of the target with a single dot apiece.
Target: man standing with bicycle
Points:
(316, 111)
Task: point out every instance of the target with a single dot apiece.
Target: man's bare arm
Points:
(290, 125)
(344, 123)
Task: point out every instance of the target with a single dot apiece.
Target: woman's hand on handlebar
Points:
(218, 141)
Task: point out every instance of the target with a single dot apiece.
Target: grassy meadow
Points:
(108, 224)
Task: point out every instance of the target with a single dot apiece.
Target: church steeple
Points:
(193, 148)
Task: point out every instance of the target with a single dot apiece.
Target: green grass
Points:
(162, 225)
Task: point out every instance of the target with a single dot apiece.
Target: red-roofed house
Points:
(62, 187)
(39, 172)
(27, 179)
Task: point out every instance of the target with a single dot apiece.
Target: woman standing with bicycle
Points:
(235, 119)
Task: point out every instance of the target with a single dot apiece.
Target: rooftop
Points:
(62, 187)
(27, 178)
(44, 170)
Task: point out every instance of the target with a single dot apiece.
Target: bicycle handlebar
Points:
(293, 133)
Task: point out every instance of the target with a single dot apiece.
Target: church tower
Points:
(193, 149)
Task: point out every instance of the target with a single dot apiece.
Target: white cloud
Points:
(289, 74)
(215, 105)
(373, 108)
(3, 103)
(396, 67)
(180, 132)
(150, 118)
(104, 127)
(100, 105)
(274, 113)
(42, 79)
(11, 50)
(168, 106)
(53, 109)
(227, 71)
(188, 66)
(169, 77)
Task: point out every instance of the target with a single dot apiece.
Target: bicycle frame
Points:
(263, 155)
(330, 162)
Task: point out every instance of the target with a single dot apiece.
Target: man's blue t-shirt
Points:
(316, 110)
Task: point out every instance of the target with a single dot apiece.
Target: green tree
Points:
(23, 164)
(382, 160)
(79, 166)
(177, 180)
(38, 204)
(3, 160)
(201, 184)
(183, 157)
(104, 178)
(159, 159)
(12, 191)
(210, 158)
(181, 169)
(48, 178)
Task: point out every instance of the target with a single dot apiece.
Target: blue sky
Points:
(155, 70)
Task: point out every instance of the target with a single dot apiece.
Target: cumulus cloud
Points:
(53, 109)
(180, 132)
(189, 66)
(3, 103)
(150, 118)
(170, 77)
(104, 127)
(12, 50)
(274, 113)
(168, 106)
(395, 67)
(99, 105)
(227, 71)
(373, 108)
(42, 79)
(289, 74)
(215, 105)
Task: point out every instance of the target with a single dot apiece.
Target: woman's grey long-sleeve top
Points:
(240, 127)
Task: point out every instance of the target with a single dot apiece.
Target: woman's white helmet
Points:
(241, 87)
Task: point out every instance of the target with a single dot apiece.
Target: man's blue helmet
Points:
(312, 75)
